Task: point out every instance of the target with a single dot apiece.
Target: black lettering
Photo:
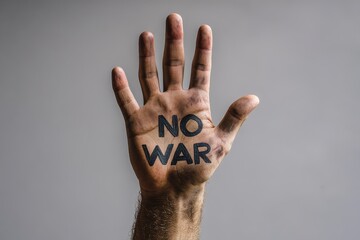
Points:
(201, 154)
(173, 129)
(181, 154)
(157, 153)
(185, 120)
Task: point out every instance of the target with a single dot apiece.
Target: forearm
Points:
(169, 215)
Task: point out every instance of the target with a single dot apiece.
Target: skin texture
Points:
(172, 195)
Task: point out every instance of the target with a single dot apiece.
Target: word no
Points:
(181, 152)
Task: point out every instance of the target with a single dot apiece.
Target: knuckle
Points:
(236, 112)
(148, 74)
(201, 67)
(174, 62)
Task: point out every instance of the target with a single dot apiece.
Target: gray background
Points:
(293, 172)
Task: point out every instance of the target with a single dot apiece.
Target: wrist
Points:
(177, 212)
(174, 193)
(185, 203)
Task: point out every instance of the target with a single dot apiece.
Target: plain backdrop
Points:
(293, 172)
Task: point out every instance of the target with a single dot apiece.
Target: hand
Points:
(142, 123)
(173, 144)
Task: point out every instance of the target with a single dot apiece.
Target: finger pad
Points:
(174, 29)
(146, 44)
(118, 78)
(205, 37)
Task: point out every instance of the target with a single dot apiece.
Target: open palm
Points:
(172, 140)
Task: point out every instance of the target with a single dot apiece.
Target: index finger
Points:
(201, 65)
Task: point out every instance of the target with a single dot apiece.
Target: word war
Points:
(181, 152)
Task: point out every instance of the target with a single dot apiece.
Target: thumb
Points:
(234, 118)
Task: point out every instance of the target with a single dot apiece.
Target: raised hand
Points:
(173, 144)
